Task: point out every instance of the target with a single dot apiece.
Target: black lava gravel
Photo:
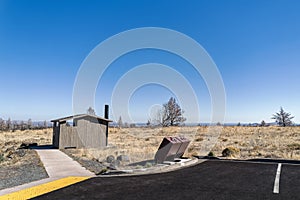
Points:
(28, 169)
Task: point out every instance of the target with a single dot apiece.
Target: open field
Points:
(19, 166)
(10, 142)
(252, 142)
(142, 143)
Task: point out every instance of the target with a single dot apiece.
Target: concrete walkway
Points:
(58, 165)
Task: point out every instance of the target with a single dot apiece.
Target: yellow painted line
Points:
(43, 188)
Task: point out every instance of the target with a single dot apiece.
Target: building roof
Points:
(79, 116)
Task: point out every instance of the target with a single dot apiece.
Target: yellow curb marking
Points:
(43, 188)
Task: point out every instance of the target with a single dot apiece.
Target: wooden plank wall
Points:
(85, 134)
(91, 134)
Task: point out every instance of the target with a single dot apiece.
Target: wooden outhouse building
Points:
(80, 131)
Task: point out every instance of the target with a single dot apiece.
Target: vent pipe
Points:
(106, 111)
(106, 114)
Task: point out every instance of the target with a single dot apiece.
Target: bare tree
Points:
(171, 113)
(148, 123)
(158, 118)
(2, 124)
(15, 126)
(22, 126)
(29, 124)
(45, 124)
(91, 111)
(218, 124)
(8, 124)
(283, 118)
(120, 122)
(132, 125)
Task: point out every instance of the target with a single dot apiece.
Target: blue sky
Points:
(255, 45)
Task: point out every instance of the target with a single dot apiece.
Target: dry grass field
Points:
(142, 143)
(41, 137)
(252, 142)
(11, 141)
(19, 166)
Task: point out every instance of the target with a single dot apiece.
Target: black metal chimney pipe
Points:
(106, 111)
(106, 114)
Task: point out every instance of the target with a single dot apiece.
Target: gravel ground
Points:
(29, 168)
(100, 167)
(90, 164)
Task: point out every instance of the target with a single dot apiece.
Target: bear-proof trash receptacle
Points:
(184, 144)
(171, 148)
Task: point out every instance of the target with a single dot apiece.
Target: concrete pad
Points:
(58, 164)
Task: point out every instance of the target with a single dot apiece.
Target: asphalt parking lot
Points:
(212, 179)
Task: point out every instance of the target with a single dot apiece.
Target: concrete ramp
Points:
(58, 164)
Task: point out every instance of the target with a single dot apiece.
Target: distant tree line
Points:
(282, 118)
(172, 115)
(13, 125)
(120, 124)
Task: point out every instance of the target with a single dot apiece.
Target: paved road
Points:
(212, 179)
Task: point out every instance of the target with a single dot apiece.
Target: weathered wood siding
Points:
(86, 134)
(91, 134)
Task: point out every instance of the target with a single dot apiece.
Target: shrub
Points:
(148, 164)
(199, 139)
(211, 154)
(294, 146)
(230, 152)
(103, 171)
(110, 159)
(132, 125)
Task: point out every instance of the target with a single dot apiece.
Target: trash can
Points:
(184, 144)
(171, 148)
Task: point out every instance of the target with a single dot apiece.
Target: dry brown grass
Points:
(42, 137)
(265, 142)
(11, 141)
(142, 143)
(253, 142)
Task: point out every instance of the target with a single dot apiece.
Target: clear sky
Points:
(255, 45)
